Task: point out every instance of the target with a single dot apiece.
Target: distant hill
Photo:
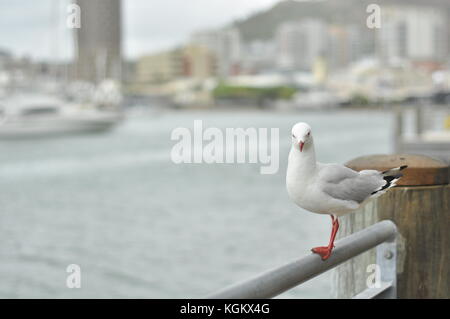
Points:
(262, 25)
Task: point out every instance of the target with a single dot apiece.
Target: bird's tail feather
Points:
(395, 171)
(391, 176)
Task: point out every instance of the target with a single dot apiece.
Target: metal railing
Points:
(276, 281)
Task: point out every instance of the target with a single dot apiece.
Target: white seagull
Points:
(330, 188)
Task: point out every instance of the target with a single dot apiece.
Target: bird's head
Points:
(301, 135)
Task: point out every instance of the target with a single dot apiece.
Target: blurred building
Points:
(99, 41)
(345, 45)
(198, 62)
(159, 67)
(192, 61)
(5, 60)
(226, 45)
(300, 43)
(229, 55)
(258, 56)
(418, 34)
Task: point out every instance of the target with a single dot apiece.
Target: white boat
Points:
(36, 116)
(316, 99)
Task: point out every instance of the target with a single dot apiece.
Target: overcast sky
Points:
(37, 28)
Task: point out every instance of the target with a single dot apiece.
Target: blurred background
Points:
(90, 92)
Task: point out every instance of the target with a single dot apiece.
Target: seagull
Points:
(331, 189)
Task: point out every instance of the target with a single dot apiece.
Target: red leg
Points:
(325, 251)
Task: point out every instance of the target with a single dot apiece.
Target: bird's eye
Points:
(309, 133)
(293, 135)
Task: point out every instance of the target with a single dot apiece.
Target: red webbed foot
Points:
(324, 252)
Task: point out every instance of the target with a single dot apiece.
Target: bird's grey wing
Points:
(343, 183)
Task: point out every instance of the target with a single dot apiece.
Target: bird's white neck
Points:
(303, 162)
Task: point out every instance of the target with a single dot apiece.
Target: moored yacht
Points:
(26, 116)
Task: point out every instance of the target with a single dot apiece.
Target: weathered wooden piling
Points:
(420, 207)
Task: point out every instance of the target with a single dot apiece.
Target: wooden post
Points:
(420, 207)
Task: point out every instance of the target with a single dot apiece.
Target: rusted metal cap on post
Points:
(422, 170)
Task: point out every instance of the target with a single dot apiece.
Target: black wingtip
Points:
(403, 167)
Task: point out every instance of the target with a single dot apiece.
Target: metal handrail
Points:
(278, 280)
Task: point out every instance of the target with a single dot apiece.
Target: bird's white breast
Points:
(303, 187)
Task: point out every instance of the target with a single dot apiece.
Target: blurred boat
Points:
(36, 116)
(316, 99)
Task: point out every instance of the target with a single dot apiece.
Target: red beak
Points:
(301, 144)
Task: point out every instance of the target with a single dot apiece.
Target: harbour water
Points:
(140, 226)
